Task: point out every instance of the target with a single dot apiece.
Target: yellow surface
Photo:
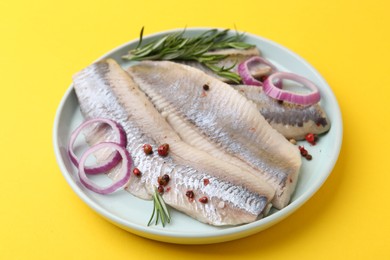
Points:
(44, 42)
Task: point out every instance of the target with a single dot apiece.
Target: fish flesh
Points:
(291, 120)
(211, 116)
(235, 197)
(232, 59)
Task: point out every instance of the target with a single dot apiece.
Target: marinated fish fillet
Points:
(291, 120)
(233, 58)
(234, 197)
(210, 115)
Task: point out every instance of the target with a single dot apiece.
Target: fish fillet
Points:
(105, 90)
(292, 121)
(210, 115)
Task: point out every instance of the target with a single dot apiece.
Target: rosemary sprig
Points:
(175, 46)
(160, 210)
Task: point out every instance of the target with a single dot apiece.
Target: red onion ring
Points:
(301, 99)
(243, 70)
(111, 163)
(123, 176)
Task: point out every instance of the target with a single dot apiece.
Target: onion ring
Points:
(243, 70)
(123, 176)
(111, 163)
(278, 93)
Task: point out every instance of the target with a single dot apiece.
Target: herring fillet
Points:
(105, 90)
(292, 121)
(210, 115)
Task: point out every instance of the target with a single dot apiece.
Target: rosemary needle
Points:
(175, 46)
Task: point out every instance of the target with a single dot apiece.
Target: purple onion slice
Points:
(122, 178)
(111, 162)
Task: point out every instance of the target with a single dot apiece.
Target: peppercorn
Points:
(163, 150)
(206, 182)
(148, 149)
(311, 138)
(166, 178)
(303, 150)
(206, 87)
(190, 194)
(305, 153)
(137, 172)
(160, 189)
(203, 200)
(163, 180)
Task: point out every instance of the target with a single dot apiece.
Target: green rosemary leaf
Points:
(156, 45)
(159, 212)
(154, 211)
(140, 37)
(224, 72)
(210, 58)
(230, 75)
(240, 45)
(182, 43)
(164, 208)
(172, 55)
(157, 217)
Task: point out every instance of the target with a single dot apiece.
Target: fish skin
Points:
(233, 58)
(104, 89)
(220, 122)
(291, 120)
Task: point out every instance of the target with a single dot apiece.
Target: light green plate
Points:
(132, 214)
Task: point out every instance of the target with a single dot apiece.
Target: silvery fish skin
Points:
(210, 115)
(291, 120)
(105, 90)
(233, 58)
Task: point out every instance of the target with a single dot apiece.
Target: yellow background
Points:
(44, 42)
